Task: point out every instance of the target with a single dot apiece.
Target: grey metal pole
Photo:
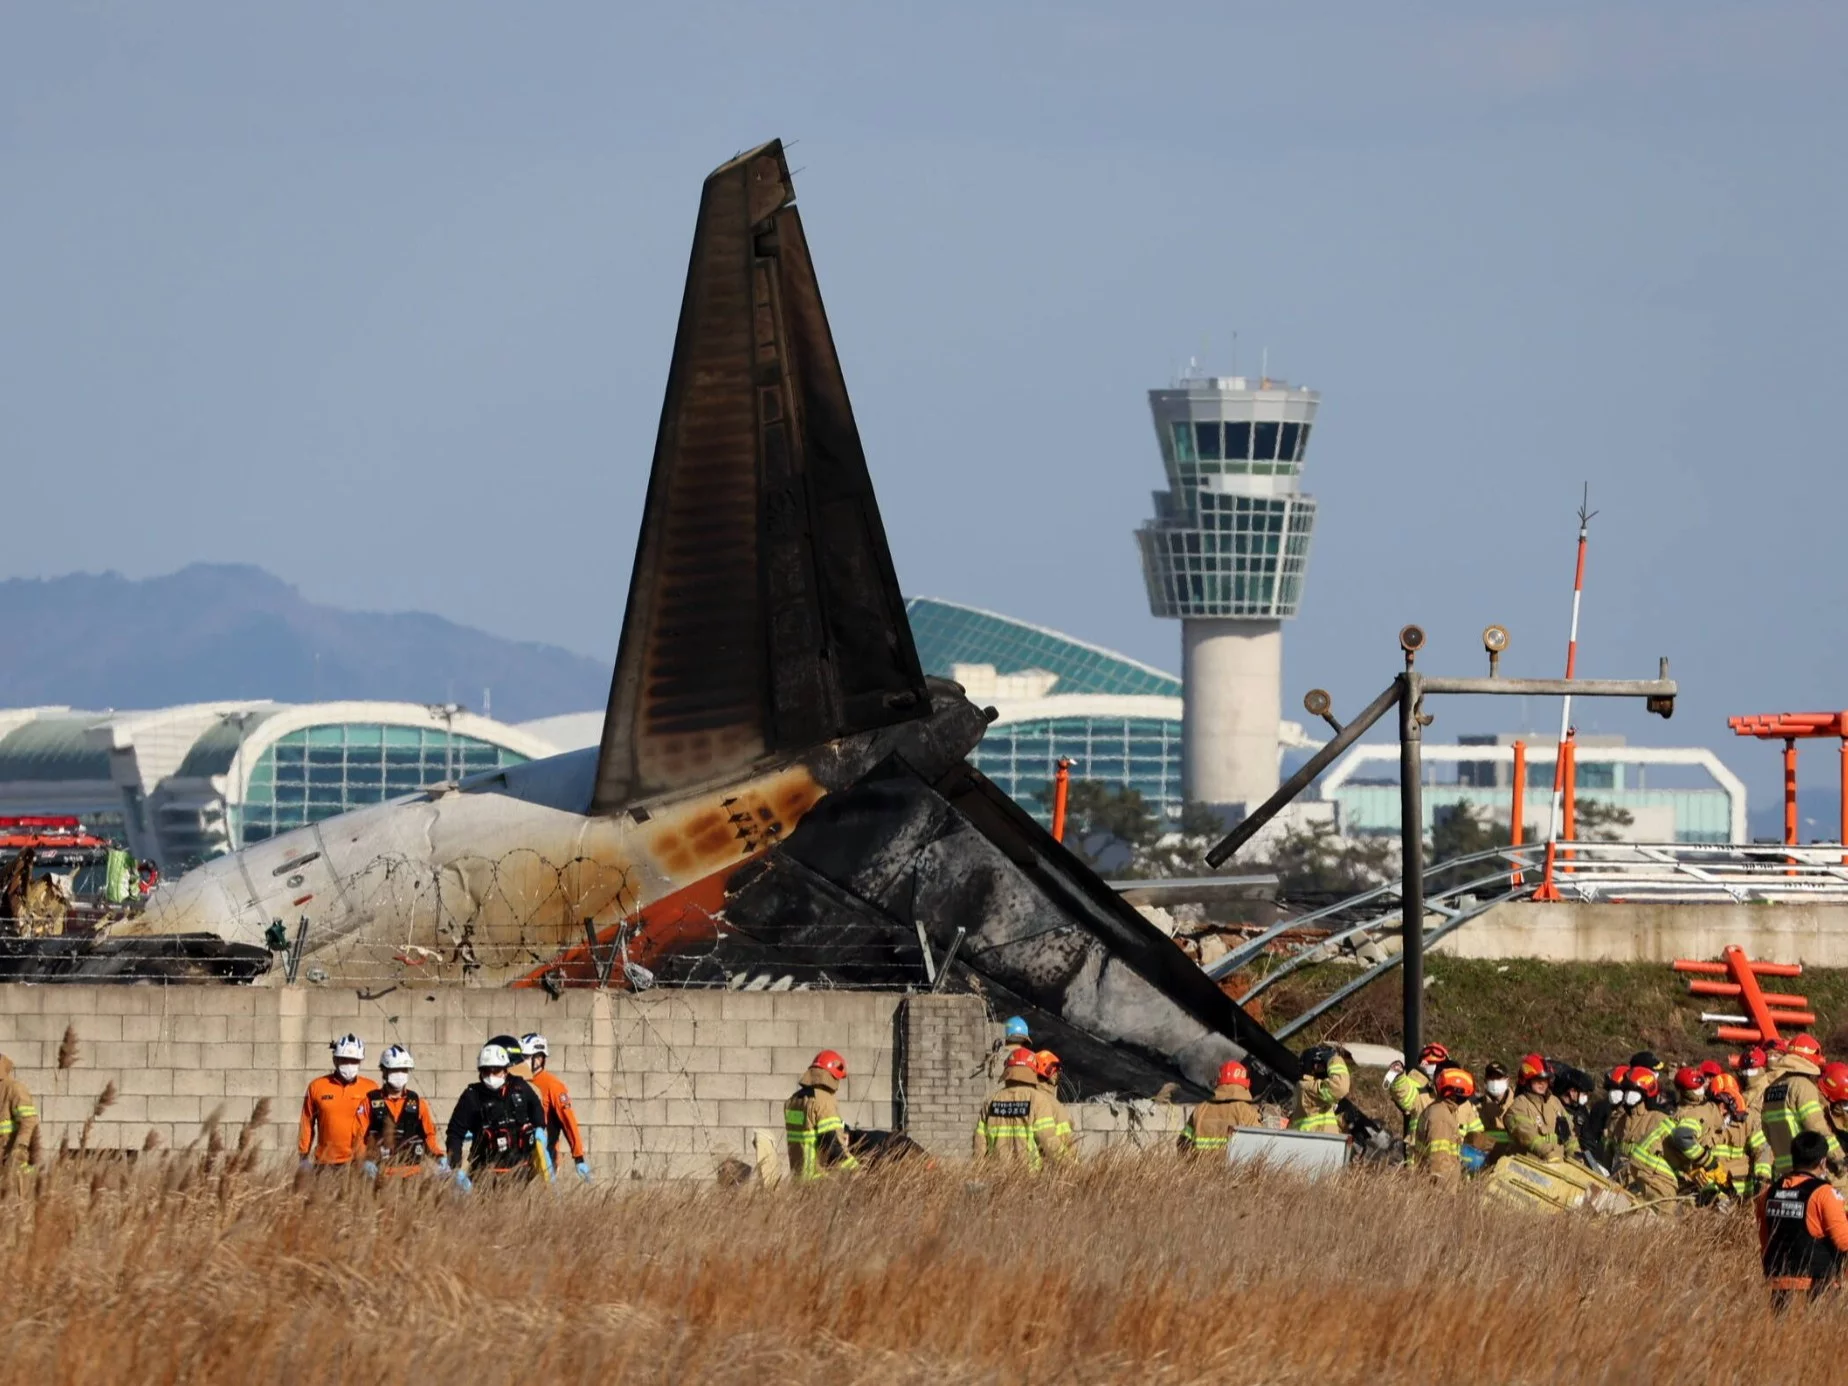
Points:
(1411, 860)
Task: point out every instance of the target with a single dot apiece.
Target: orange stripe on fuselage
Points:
(689, 915)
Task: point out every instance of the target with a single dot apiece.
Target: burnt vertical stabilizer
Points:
(764, 615)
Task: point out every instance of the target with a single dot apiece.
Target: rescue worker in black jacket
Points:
(502, 1119)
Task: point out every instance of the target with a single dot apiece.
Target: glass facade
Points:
(318, 772)
(1700, 815)
(1231, 556)
(1142, 753)
(947, 634)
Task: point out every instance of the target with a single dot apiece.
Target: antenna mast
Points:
(1562, 758)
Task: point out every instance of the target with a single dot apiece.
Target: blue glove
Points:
(583, 1170)
(370, 1170)
(463, 1182)
(442, 1164)
(1473, 1159)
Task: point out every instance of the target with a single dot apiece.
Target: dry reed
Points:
(158, 1269)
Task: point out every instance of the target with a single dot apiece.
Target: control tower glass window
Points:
(1264, 442)
(1206, 440)
(1183, 442)
(1286, 442)
(1238, 440)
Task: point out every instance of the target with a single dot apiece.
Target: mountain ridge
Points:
(212, 631)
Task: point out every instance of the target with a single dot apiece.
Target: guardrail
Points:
(1465, 888)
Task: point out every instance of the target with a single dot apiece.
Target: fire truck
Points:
(75, 860)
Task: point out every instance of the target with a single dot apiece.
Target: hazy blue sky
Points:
(380, 296)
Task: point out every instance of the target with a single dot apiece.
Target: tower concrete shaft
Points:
(1232, 672)
(1226, 552)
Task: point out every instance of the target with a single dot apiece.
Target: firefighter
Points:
(1741, 1145)
(1538, 1124)
(818, 1143)
(400, 1132)
(1046, 1064)
(1832, 1083)
(1410, 1089)
(561, 1123)
(1321, 1090)
(1753, 1080)
(1014, 1035)
(502, 1119)
(19, 1120)
(1645, 1170)
(1019, 1123)
(1793, 1103)
(1603, 1115)
(1437, 1145)
(336, 1110)
(1210, 1125)
(1691, 1147)
(1802, 1229)
(1493, 1108)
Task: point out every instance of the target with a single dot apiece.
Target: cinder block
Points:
(199, 1082)
(641, 1113)
(174, 1108)
(672, 1139)
(206, 1029)
(718, 1086)
(117, 1054)
(144, 1027)
(794, 1062)
(768, 1087)
(742, 1060)
(745, 1005)
(688, 1112)
(176, 1055)
(150, 1081)
(751, 1115)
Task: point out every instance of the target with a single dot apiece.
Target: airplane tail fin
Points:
(764, 614)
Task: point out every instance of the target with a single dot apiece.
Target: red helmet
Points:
(1780, 1045)
(1644, 1080)
(1233, 1074)
(1690, 1079)
(1834, 1083)
(1533, 1066)
(1617, 1075)
(1711, 1068)
(1046, 1063)
(1023, 1058)
(1807, 1046)
(1752, 1058)
(1454, 1082)
(1434, 1054)
(830, 1062)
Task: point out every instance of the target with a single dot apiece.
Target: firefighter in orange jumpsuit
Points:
(337, 1112)
(561, 1121)
(400, 1132)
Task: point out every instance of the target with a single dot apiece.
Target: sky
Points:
(381, 298)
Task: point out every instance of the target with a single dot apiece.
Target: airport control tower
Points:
(1226, 552)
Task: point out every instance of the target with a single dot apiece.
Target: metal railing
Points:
(1675, 873)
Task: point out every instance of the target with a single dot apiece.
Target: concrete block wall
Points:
(944, 1073)
(667, 1084)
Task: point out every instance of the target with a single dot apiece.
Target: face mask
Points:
(1631, 1098)
(1581, 1100)
(1750, 1072)
(1498, 1087)
(1429, 1070)
(494, 1080)
(347, 1072)
(398, 1079)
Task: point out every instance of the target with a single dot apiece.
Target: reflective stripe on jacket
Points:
(1020, 1124)
(813, 1127)
(1317, 1098)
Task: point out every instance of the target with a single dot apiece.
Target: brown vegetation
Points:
(184, 1267)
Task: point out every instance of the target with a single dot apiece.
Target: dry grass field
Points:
(184, 1267)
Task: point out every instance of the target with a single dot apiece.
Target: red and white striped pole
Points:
(1562, 760)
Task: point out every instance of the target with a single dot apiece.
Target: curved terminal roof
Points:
(55, 747)
(948, 634)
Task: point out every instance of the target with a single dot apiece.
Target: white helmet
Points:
(397, 1057)
(492, 1056)
(533, 1044)
(349, 1047)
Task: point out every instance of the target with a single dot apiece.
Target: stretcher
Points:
(1549, 1187)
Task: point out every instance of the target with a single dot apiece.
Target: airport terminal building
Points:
(179, 785)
